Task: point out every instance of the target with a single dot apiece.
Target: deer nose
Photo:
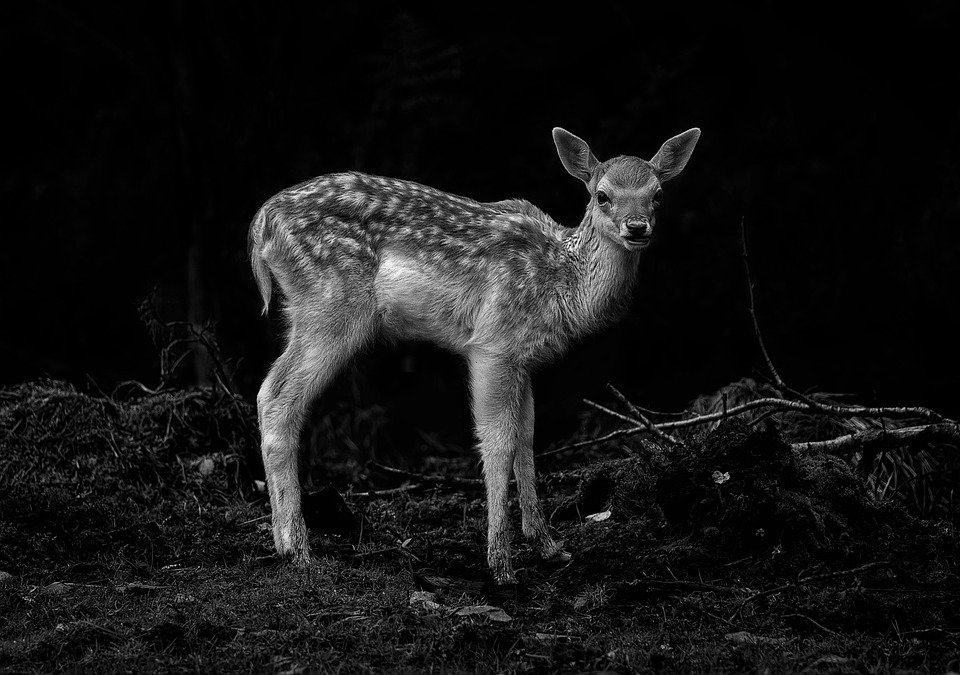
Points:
(637, 227)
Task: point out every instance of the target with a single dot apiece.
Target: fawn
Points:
(359, 257)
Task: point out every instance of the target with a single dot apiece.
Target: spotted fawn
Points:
(361, 257)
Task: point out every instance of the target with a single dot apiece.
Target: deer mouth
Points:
(637, 241)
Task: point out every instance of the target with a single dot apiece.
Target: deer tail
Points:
(261, 273)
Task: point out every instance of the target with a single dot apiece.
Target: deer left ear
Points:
(673, 155)
(575, 154)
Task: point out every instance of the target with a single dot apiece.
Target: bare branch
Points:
(643, 420)
(753, 310)
(620, 433)
(774, 405)
(376, 494)
(885, 438)
(613, 413)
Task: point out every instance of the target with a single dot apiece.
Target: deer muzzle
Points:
(636, 230)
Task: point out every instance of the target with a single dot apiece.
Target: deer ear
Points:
(673, 155)
(575, 154)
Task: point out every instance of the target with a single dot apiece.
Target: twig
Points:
(620, 433)
(680, 585)
(252, 520)
(777, 380)
(367, 554)
(448, 481)
(613, 413)
(815, 623)
(753, 310)
(815, 577)
(376, 494)
(134, 383)
(640, 416)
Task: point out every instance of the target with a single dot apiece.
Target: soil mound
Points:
(740, 491)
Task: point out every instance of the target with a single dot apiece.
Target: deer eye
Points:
(656, 198)
(602, 198)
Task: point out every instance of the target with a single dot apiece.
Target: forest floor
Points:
(133, 537)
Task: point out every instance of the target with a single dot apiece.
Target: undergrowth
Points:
(134, 535)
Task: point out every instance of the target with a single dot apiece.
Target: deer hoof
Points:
(553, 552)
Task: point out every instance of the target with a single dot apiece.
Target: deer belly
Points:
(418, 303)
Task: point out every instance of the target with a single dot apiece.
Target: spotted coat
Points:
(358, 257)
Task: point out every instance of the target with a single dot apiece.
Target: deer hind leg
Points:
(310, 362)
(533, 524)
(499, 391)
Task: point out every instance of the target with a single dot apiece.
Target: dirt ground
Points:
(134, 535)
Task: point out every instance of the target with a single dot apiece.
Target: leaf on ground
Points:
(598, 517)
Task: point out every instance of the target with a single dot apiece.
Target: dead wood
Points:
(939, 429)
(882, 439)
(944, 429)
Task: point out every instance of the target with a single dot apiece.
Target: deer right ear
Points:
(673, 155)
(575, 154)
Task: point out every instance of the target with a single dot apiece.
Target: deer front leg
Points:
(498, 390)
(533, 524)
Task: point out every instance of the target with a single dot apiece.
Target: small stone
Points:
(206, 466)
(424, 600)
(56, 588)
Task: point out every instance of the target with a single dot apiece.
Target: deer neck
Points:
(604, 277)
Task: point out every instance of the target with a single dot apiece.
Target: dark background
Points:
(141, 139)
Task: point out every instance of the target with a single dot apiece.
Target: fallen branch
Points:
(944, 429)
(940, 429)
(948, 432)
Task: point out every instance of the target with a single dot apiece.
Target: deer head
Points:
(625, 192)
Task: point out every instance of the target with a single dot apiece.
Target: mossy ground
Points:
(134, 539)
